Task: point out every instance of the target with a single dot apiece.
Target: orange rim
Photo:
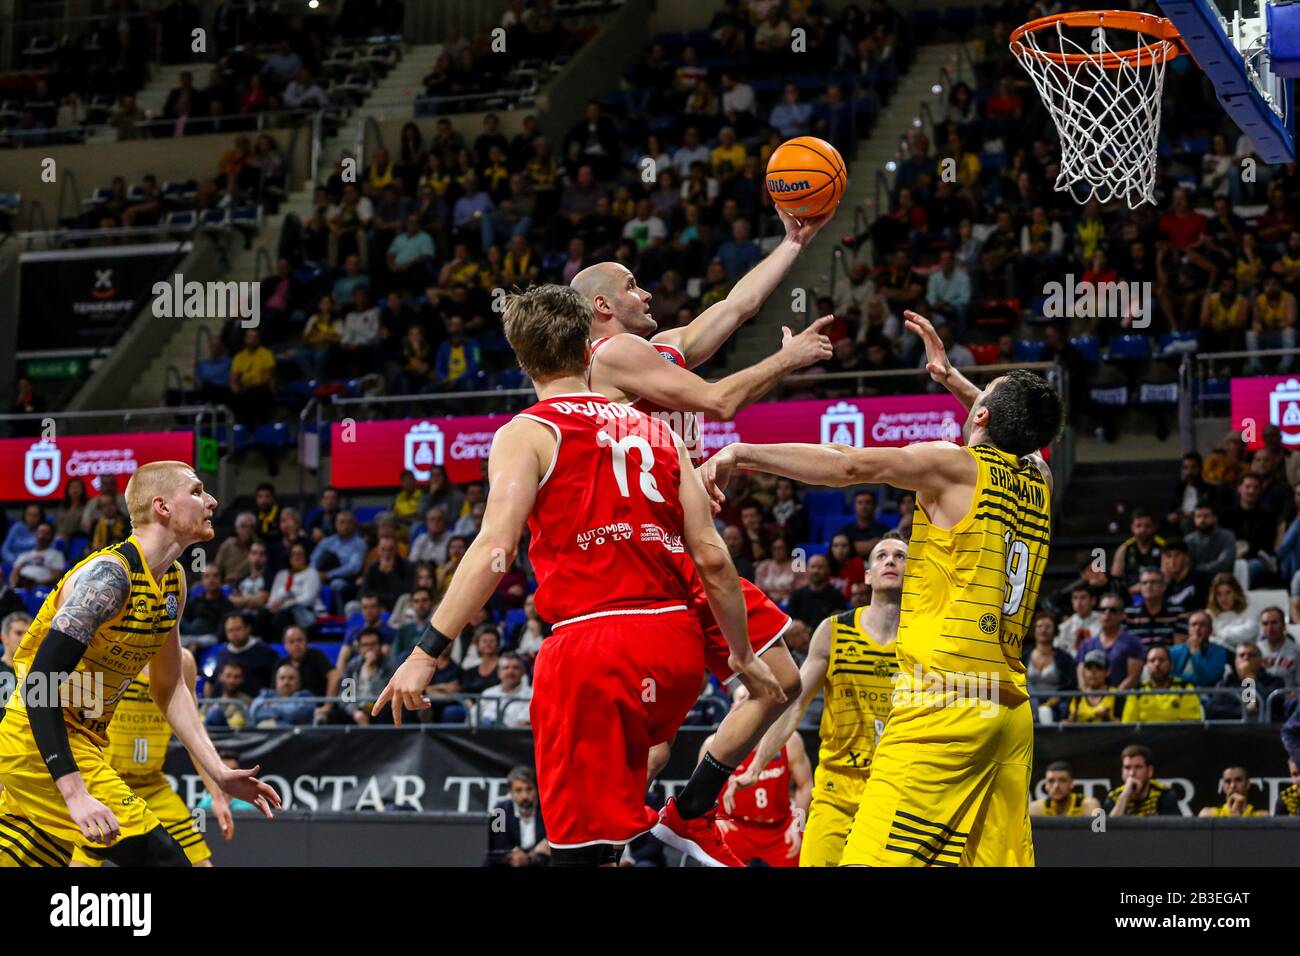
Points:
(1171, 44)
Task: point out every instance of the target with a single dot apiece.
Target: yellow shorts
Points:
(35, 827)
(949, 786)
(170, 810)
(830, 816)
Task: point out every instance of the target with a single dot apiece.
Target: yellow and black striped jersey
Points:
(1288, 803)
(1083, 710)
(139, 733)
(120, 648)
(1073, 807)
(1222, 811)
(858, 692)
(970, 591)
(1159, 801)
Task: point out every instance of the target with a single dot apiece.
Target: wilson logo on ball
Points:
(781, 186)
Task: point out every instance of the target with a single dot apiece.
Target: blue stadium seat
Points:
(1030, 350)
(508, 378)
(889, 519)
(275, 435)
(1089, 346)
(213, 217)
(366, 514)
(814, 547)
(1216, 390)
(183, 217)
(1158, 394)
(1129, 348)
(279, 650)
(1177, 343)
(327, 598)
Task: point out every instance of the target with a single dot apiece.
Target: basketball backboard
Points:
(1245, 47)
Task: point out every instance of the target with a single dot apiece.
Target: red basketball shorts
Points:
(767, 623)
(761, 841)
(604, 691)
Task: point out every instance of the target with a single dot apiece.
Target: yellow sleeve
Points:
(1131, 711)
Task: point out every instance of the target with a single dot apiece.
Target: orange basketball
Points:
(806, 177)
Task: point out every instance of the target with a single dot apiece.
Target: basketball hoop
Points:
(1105, 102)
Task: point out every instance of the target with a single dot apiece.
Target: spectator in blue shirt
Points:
(283, 706)
(948, 291)
(22, 535)
(1199, 661)
(472, 214)
(740, 253)
(410, 255)
(212, 374)
(1122, 648)
(339, 556)
(352, 278)
(791, 117)
(458, 356)
(372, 619)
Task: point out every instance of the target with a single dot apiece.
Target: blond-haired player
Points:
(137, 748)
(850, 657)
(112, 615)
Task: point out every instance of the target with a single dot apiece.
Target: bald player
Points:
(654, 376)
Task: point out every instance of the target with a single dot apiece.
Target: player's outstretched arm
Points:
(174, 699)
(521, 453)
(936, 361)
(812, 675)
(705, 334)
(801, 772)
(630, 364)
(928, 467)
(721, 584)
(96, 595)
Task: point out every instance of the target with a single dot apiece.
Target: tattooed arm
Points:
(95, 596)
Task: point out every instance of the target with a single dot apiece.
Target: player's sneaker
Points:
(697, 838)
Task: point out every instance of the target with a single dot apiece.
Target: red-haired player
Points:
(765, 821)
(611, 500)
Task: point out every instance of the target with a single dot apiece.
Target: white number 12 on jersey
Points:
(620, 449)
(1017, 572)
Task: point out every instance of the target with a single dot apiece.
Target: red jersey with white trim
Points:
(686, 425)
(766, 802)
(607, 526)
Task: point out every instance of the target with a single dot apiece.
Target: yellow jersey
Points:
(1274, 316)
(858, 693)
(139, 734)
(1223, 318)
(1163, 708)
(1073, 808)
(969, 591)
(1222, 811)
(120, 648)
(1083, 710)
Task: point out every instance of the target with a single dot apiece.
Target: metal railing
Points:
(232, 123)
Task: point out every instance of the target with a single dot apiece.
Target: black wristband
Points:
(433, 642)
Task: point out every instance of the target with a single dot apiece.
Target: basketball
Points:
(806, 177)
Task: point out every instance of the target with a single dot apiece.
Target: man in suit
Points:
(516, 833)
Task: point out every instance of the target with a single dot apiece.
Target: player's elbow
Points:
(719, 405)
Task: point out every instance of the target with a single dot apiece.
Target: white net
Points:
(1106, 106)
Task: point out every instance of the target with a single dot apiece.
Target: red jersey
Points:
(607, 525)
(768, 801)
(685, 425)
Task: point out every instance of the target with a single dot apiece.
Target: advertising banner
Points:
(1267, 400)
(459, 770)
(36, 470)
(373, 454)
(82, 298)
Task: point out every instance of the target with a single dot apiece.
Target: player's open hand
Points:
(716, 475)
(936, 356)
(406, 688)
(803, 230)
(95, 821)
(809, 346)
(244, 785)
(758, 679)
(794, 834)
